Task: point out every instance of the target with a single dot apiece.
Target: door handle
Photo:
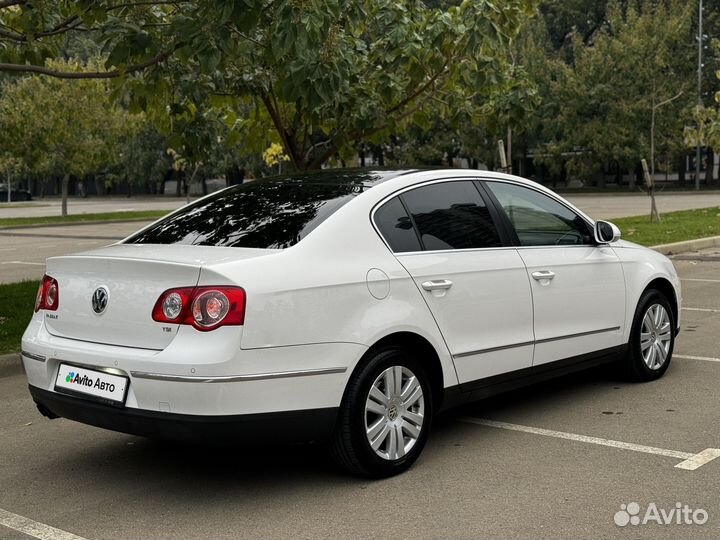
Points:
(437, 285)
(542, 274)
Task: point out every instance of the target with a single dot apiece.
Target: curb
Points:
(10, 364)
(72, 223)
(688, 245)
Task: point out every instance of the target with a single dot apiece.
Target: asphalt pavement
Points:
(563, 459)
(598, 205)
(23, 251)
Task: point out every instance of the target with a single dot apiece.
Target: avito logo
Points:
(630, 514)
(75, 378)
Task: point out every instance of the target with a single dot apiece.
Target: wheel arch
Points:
(664, 286)
(421, 349)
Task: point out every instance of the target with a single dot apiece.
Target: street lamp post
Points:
(699, 90)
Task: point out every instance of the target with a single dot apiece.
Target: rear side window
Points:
(394, 224)
(262, 214)
(451, 215)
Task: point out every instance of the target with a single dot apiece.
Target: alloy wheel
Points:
(655, 336)
(394, 412)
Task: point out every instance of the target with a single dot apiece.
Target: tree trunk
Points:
(709, 166)
(681, 170)
(178, 178)
(65, 184)
(509, 151)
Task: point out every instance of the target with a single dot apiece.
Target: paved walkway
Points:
(601, 206)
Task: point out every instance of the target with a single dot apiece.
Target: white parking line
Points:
(8, 249)
(707, 310)
(690, 461)
(701, 279)
(23, 262)
(689, 357)
(34, 528)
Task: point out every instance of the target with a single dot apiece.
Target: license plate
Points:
(92, 384)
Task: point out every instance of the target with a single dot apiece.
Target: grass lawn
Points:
(674, 227)
(82, 218)
(16, 308)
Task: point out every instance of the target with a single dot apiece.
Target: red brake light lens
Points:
(48, 295)
(205, 308)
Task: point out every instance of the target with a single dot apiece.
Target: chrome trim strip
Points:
(493, 349)
(31, 356)
(236, 378)
(579, 334)
(526, 343)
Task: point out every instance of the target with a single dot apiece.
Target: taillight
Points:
(48, 295)
(205, 308)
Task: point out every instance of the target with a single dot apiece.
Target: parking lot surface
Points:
(563, 459)
(23, 251)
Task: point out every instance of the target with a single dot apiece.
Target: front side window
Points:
(540, 220)
(451, 215)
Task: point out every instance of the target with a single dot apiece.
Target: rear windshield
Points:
(261, 214)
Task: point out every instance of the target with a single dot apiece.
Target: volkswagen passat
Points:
(343, 306)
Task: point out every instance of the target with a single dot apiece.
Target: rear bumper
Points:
(291, 426)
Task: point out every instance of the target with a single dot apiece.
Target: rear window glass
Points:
(261, 214)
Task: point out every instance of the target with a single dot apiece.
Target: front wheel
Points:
(652, 337)
(385, 415)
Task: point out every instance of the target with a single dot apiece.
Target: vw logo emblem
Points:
(100, 300)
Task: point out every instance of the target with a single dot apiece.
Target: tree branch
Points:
(10, 3)
(669, 100)
(41, 70)
(419, 91)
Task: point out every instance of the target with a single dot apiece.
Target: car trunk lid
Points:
(134, 276)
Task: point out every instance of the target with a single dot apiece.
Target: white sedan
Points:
(346, 307)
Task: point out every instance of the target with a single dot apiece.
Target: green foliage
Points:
(602, 102)
(328, 73)
(16, 309)
(57, 127)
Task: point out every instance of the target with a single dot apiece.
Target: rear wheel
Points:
(652, 337)
(385, 415)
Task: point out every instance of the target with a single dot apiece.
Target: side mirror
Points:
(606, 232)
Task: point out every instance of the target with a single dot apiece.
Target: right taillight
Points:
(48, 295)
(205, 308)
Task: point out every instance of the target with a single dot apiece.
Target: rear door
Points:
(578, 287)
(477, 289)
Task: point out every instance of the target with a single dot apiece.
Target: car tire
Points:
(652, 338)
(382, 428)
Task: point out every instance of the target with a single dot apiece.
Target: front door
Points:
(578, 287)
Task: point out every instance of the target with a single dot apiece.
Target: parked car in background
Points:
(343, 306)
(16, 194)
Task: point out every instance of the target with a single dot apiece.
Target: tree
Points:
(326, 73)
(58, 128)
(604, 99)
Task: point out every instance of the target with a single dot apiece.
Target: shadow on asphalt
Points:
(207, 465)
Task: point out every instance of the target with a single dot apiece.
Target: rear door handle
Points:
(543, 274)
(437, 285)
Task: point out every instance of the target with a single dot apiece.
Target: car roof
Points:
(359, 176)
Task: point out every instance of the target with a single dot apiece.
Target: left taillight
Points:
(48, 295)
(205, 308)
